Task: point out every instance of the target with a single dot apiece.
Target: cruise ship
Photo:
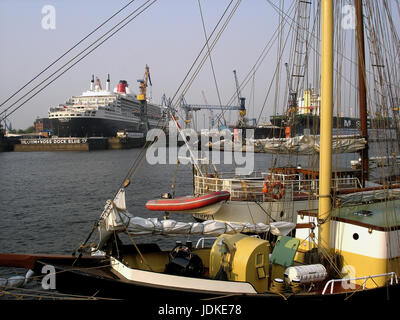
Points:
(101, 112)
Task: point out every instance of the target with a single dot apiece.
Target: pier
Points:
(76, 144)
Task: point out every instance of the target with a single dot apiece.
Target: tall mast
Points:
(325, 160)
(361, 88)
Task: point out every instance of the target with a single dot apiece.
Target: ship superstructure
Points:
(101, 112)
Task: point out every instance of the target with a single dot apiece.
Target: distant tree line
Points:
(30, 129)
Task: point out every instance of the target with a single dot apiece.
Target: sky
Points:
(167, 37)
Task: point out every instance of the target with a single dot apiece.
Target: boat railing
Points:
(200, 242)
(251, 188)
(393, 278)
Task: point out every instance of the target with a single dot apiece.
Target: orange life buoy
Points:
(280, 190)
(265, 188)
(266, 184)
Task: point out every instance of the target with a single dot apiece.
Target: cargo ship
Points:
(101, 112)
(303, 118)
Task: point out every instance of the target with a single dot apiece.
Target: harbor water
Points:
(49, 201)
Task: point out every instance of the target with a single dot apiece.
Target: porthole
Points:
(355, 236)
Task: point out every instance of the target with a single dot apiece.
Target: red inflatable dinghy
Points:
(188, 202)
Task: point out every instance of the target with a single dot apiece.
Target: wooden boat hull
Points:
(84, 278)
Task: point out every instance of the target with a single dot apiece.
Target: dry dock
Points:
(67, 144)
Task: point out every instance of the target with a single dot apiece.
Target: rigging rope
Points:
(201, 63)
(65, 53)
(199, 54)
(144, 6)
(209, 55)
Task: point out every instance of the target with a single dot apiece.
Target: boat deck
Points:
(298, 184)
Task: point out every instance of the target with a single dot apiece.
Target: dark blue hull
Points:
(87, 127)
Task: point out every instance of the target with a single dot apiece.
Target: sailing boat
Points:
(238, 266)
(281, 192)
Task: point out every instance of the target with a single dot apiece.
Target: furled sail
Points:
(306, 145)
(117, 219)
(368, 196)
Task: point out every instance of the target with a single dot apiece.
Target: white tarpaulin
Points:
(305, 145)
(117, 219)
(366, 196)
(281, 228)
(142, 226)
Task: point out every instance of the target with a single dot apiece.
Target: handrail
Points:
(201, 240)
(332, 281)
(216, 184)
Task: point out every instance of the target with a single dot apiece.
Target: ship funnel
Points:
(92, 83)
(242, 103)
(122, 85)
(108, 83)
(98, 85)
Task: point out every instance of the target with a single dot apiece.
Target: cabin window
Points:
(356, 236)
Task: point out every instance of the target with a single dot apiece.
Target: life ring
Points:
(266, 184)
(281, 190)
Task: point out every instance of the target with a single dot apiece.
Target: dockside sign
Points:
(54, 141)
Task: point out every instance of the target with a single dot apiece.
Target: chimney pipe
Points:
(108, 83)
(92, 83)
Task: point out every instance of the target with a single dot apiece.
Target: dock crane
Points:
(292, 104)
(143, 98)
(241, 102)
(292, 93)
(211, 117)
(143, 84)
(197, 107)
(187, 108)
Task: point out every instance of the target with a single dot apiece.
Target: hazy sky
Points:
(167, 37)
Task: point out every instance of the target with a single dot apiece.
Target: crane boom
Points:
(292, 94)
(204, 97)
(143, 84)
(241, 102)
(288, 77)
(211, 114)
(237, 86)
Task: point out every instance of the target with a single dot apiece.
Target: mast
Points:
(361, 88)
(325, 160)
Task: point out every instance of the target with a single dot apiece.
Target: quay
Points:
(76, 144)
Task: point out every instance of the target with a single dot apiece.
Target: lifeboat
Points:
(187, 202)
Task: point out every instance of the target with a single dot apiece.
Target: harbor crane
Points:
(143, 98)
(143, 84)
(211, 117)
(187, 108)
(197, 107)
(241, 102)
(292, 93)
(7, 124)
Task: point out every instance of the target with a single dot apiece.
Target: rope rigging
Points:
(141, 156)
(65, 53)
(124, 22)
